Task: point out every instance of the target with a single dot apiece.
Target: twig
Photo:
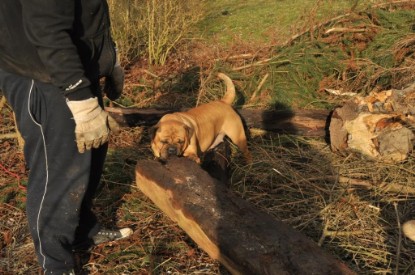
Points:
(259, 63)
(393, 3)
(263, 62)
(409, 88)
(9, 136)
(235, 57)
(397, 188)
(2, 102)
(240, 56)
(384, 187)
(398, 251)
(323, 235)
(203, 82)
(20, 139)
(14, 175)
(150, 73)
(339, 92)
(260, 86)
(344, 30)
(328, 233)
(136, 85)
(12, 135)
(295, 37)
(352, 181)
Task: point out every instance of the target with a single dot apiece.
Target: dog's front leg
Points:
(191, 151)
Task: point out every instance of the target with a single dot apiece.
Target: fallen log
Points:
(230, 229)
(131, 117)
(298, 122)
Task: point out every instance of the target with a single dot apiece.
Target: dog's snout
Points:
(172, 151)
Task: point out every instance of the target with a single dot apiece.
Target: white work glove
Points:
(93, 124)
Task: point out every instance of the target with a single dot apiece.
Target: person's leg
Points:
(88, 223)
(59, 175)
(89, 231)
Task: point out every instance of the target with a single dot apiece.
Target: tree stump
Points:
(379, 126)
(243, 238)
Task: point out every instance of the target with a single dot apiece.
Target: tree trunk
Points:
(299, 122)
(244, 239)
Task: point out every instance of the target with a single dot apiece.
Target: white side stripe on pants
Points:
(47, 175)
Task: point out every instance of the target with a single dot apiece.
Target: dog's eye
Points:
(180, 141)
(164, 141)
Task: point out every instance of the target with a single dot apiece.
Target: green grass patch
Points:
(255, 20)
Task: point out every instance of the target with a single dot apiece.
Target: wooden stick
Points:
(2, 102)
(398, 250)
(9, 136)
(260, 86)
(344, 30)
(329, 233)
(20, 139)
(259, 63)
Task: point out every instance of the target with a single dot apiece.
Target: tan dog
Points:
(199, 129)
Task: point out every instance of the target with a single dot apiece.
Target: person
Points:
(53, 56)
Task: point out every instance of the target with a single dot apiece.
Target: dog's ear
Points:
(153, 130)
(189, 132)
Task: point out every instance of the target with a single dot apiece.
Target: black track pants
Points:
(62, 181)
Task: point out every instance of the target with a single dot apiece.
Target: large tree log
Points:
(244, 239)
(299, 122)
(130, 117)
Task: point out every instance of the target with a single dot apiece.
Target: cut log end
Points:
(379, 126)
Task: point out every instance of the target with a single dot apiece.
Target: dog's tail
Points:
(230, 94)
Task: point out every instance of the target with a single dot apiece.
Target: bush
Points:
(155, 26)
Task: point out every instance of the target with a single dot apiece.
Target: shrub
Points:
(155, 26)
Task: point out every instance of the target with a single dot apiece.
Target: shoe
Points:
(105, 235)
(66, 272)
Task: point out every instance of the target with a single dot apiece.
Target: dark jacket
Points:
(64, 42)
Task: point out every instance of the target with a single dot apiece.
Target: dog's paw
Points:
(194, 158)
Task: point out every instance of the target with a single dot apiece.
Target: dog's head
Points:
(170, 138)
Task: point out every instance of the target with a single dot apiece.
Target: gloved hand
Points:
(93, 124)
(114, 84)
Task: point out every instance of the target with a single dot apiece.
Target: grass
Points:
(268, 20)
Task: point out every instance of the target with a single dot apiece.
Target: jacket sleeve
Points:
(48, 25)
